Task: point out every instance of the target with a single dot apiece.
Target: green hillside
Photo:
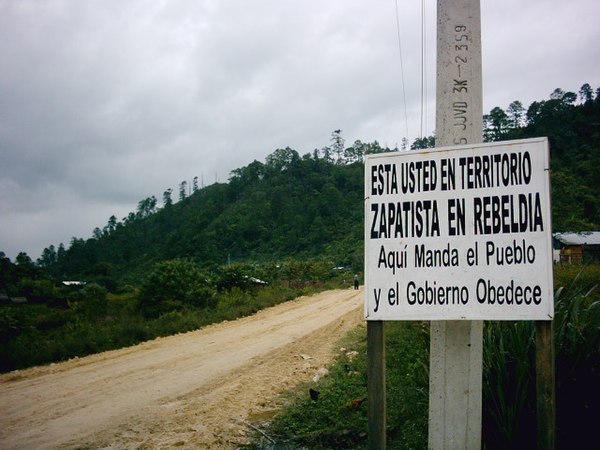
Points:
(289, 206)
(306, 206)
(572, 124)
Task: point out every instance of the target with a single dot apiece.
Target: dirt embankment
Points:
(194, 390)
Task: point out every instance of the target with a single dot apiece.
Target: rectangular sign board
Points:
(459, 233)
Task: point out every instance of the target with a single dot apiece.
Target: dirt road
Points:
(194, 390)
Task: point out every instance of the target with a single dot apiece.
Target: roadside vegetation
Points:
(338, 417)
(63, 322)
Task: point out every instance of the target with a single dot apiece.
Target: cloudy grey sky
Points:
(104, 103)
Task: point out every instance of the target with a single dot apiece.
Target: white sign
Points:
(459, 233)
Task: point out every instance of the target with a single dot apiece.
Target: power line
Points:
(423, 68)
(401, 66)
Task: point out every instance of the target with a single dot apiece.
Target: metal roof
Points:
(581, 238)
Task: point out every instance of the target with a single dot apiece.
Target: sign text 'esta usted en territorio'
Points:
(459, 233)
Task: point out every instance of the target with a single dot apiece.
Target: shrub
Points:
(53, 318)
(10, 323)
(171, 284)
(231, 277)
(36, 290)
(201, 296)
(93, 300)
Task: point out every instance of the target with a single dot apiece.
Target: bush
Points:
(36, 290)
(234, 276)
(91, 301)
(172, 284)
(53, 318)
(201, 297)
(11, 323)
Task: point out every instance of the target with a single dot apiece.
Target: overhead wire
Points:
(423, 71)
(401, 67)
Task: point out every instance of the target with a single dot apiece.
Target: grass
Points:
(338, 418)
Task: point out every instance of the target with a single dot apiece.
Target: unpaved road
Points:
(193, 390)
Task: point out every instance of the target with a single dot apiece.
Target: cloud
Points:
(105, 103)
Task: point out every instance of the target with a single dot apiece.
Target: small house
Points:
(583, 246)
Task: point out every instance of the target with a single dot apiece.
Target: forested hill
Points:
(571, 121)
(290, 206)
(312, 205)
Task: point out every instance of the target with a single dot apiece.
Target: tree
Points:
(586, 93)
(173, 283)
(498, 121)
(337, 145)
(533, 112)
(48, 257)
(515, 114)
(568, 203)
(130, 217)
(112, 223)
(108, 229)
(249, 174)
(24, 266)
(7, 271)
(566, 98)
(569, 98)
(557, 94)
(167, 200)
(146, 207)
(374, 147)
(326, 152)
(359, 149)
(23, 260)
(354, 153)
(60, 254)
(195, 184)
(182, 190)
(487, 129)
(282, 159)
(97, 233)
(424, 142)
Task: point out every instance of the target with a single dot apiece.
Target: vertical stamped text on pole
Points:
(460, 87)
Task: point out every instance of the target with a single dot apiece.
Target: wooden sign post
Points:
(376, 384)
(545, 385)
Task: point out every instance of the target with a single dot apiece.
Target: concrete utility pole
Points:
(456, 346)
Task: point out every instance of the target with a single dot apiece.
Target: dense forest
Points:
(308, 206)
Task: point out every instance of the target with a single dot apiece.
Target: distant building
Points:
(74, 283)
(577, 247)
